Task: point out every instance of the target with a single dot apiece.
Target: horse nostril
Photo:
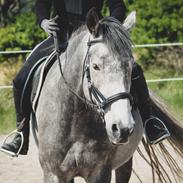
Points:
(125, 133)
(114, 128)
(120, 134)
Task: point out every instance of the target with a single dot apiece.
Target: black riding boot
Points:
(155, 130)
(22, 136)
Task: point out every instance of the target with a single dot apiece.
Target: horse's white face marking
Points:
(110, 78)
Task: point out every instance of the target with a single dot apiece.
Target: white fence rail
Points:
(164, 79)
(14, 52)
(158, 45)
(148, 81)
(135, 46)
(6, 87)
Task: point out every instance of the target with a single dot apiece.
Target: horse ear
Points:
(130, 21)
(92, 21)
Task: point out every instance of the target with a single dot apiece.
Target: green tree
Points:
(158, 22)
(23, 33)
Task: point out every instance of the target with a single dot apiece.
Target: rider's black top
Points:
(78, 8)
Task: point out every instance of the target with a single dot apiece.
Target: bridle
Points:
(94, 93)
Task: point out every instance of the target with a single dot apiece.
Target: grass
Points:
(8, 70)
(171, 91)
(7, 112)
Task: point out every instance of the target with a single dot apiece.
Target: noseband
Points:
(94, 92)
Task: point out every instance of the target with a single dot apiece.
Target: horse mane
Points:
(116, 37)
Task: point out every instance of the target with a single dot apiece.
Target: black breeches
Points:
(140, 91)
(40, 51)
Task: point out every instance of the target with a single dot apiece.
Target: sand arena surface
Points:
(26, 169)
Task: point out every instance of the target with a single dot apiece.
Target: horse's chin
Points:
(117, 142)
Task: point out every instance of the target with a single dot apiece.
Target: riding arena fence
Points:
(135, 46)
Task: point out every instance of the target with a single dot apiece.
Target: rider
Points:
(70, 15)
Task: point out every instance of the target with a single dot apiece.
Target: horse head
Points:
(108, 69)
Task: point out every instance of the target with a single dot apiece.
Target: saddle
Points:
(35, 80)
(37, 75)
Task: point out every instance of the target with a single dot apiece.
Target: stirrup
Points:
(158, 139)
(12, 154)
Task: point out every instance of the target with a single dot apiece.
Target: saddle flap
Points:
(35, 80)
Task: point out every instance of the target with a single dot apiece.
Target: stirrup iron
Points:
(22, 142)
(155, 139)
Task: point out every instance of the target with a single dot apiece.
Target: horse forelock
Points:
(116, 37)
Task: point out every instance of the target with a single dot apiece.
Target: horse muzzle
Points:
(121, 135)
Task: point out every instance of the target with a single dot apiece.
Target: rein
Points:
(84, 100)
(102, 101)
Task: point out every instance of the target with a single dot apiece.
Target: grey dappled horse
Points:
(86, 119)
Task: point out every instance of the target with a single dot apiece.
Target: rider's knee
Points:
(19, 80)
(136, 71)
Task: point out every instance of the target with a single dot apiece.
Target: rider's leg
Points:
(22, 124)
(155, 129)
(22, 119)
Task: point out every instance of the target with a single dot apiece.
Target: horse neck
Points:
(73, 72)
(75, 55)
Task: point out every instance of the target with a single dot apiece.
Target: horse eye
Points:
(95, 66)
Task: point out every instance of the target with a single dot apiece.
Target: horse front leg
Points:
(100, 175)
(123, 173)
(49, 177)
(56, 179)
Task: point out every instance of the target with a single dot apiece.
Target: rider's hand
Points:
(50, 26)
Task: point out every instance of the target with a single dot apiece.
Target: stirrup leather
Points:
(162, 130)
(22, 142)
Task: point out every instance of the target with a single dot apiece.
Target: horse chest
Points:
(82, 157)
